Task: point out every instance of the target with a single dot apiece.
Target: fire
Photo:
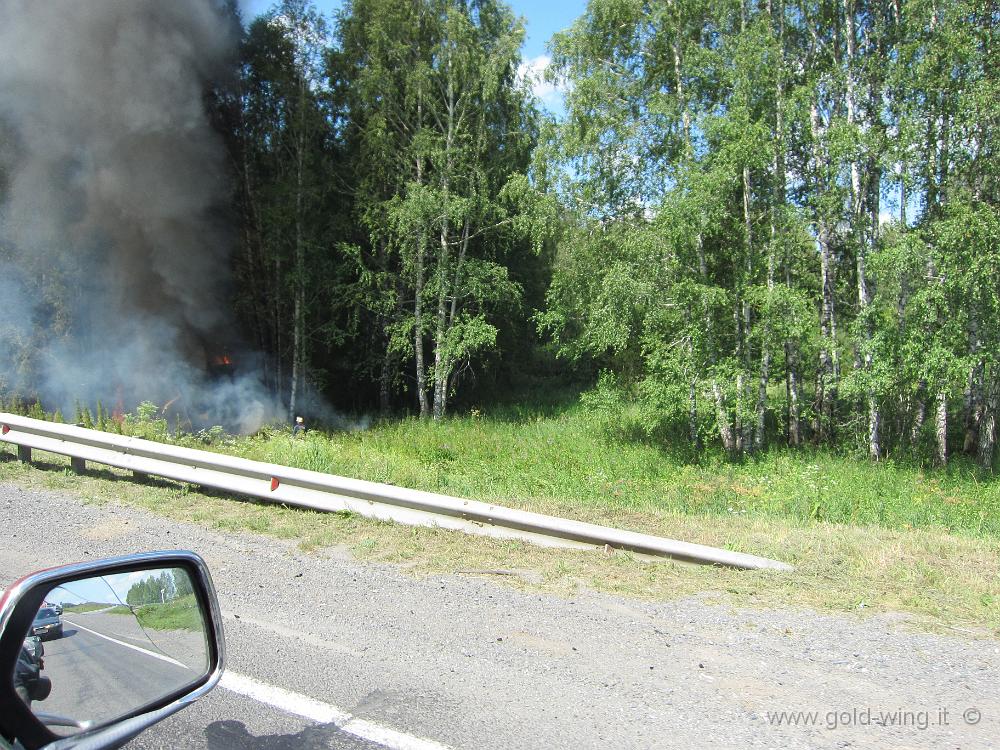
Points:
(118, 414)
(220, 364)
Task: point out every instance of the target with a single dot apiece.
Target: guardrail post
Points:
(140, 476)
(77, 464)
(24, 454)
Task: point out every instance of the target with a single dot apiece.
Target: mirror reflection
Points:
(101, 647)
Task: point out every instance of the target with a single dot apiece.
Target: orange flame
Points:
(118, 415)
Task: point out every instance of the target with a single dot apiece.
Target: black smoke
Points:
(114, 242)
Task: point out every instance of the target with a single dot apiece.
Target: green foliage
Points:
(607, 395)
(281, 123)
(146, 411)
(147, 422)
(439, 136)
(708, 153)
(183, 613)
(152, 589)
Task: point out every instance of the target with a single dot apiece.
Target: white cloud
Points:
(533, 71)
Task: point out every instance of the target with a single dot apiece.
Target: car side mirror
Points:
(94, 653)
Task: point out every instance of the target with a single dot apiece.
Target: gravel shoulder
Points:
(470, 661)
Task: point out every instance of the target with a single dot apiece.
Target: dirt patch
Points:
(538, 643)
(109, 530)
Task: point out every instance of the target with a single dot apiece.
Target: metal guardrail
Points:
(327, 492)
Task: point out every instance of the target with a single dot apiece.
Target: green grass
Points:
(576, 459)
(85, 607)
(182, 613)
(865, 538)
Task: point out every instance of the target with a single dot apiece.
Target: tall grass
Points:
(574, 456)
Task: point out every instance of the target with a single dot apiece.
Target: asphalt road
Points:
(327, 652)
(186, 647)
(128, 677)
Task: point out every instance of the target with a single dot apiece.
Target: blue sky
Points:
(108, 589)
(543, 18)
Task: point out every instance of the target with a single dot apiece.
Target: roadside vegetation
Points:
(182, 613)
(891, 537)
(84, 607)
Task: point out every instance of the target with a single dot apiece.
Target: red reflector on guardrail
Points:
(5, 429)
(274, 483)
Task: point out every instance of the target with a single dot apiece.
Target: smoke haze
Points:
(114, 274)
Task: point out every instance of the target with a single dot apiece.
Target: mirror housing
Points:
(21, 603)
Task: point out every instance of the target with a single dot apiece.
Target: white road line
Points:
(310, 708)
(300, 705)
(128, 645)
